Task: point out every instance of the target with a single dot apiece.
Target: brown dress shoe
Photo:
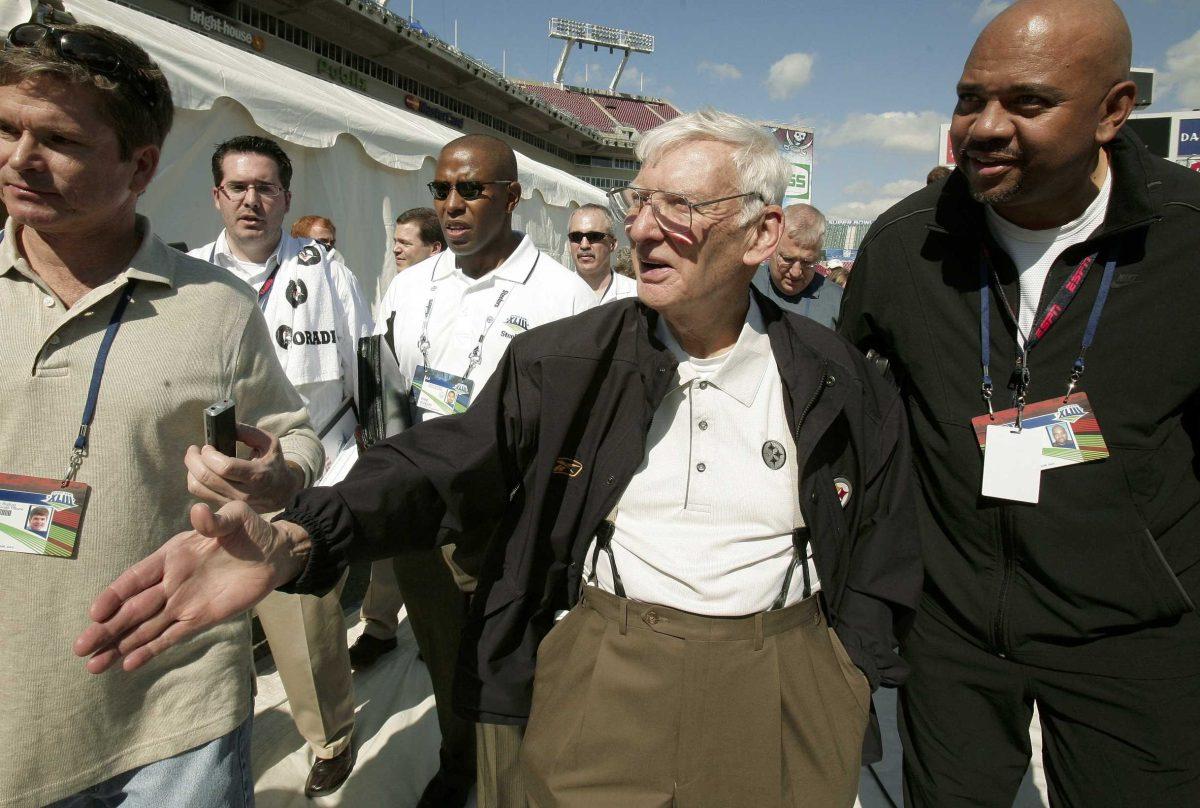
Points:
(327, 775)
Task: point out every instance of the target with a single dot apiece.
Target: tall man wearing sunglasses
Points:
(696, 464)
(114, 344)
(1063, 577)
(592, 244)
(454, 315)
(315, 313)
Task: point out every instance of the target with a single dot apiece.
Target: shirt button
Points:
(703, 425)
(703, 385)
(700, 467)
(48, 302)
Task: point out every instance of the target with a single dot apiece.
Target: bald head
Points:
(1044, 91)
(1090, 35)
(489, 154)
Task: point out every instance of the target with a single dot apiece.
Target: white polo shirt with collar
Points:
(539, 290)
(706, 523)
(619, 287)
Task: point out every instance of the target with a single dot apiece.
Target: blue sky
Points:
(873, 79)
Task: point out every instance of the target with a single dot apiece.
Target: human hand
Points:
(266, 482)
(229, 562)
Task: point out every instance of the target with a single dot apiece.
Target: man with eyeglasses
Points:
(315, 312)
(715, 488)
(592, 244)
(113, 344)
(455, 314)
(792, 278)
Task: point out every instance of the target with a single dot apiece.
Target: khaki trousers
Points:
(641, 706)
(437, 611)
(307, 636)
(382, 602)
(501, 782)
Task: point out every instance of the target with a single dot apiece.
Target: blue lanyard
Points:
(1062, 299)
(89, 409)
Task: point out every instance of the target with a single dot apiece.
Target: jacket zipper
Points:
(1007, 562)
(812, 401)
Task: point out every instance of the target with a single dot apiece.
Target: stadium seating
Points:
(604, 111)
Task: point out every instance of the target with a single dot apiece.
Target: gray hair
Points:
(603, 211)
(760, 167)
(804, 224)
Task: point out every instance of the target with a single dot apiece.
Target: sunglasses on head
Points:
(592, 236)
(83, 49)
(467, 189)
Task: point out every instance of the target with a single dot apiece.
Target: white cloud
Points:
(988, 9)
(872, 200)
(898, 131)
(789, 74)
(1182, 74)
(721, 71)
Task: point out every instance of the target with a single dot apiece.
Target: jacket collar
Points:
(1135, 200)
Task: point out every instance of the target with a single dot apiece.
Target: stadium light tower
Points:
(597, 35)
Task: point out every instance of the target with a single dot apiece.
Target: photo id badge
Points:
(38, 515)
(1012, 465)
(1067, 430)
(439, 392)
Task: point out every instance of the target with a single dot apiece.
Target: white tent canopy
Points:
(357, 160)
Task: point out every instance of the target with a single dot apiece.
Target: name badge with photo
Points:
(1065, 430)
(440, 392)
(38, 515)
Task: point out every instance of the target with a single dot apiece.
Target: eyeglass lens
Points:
(593, 236)
(237, 190)
(669, 207)
(467, 189)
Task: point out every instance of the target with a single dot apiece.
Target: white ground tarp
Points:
(357, 160)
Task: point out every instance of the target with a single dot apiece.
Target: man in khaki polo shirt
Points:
(83, 114)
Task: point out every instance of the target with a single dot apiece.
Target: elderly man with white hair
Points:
(716, 490)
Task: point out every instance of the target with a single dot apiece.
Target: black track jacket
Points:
(1101, 576)
(521, 481)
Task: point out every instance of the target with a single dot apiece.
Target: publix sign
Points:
(341, 74)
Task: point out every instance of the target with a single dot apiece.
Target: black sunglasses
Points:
(467, 189)
(592, 236)
(83, 49)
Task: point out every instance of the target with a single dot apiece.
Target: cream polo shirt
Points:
(192, 335)
(539, 290)
(706, 523)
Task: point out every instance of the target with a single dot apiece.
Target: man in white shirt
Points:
(699, 667)
(454, 315)
(316, 313)
(592, 244)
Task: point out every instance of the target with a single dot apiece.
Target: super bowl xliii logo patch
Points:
(297, 293)
(308, 255)
(514, 325)
(842, 487)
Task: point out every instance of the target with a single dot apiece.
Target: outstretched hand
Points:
(229, 562)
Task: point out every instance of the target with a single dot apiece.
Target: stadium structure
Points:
(362, 45)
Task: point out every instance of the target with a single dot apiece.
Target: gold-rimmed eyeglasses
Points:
(668, 207)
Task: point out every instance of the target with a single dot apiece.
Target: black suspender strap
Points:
(604, 535)
(799, 559)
